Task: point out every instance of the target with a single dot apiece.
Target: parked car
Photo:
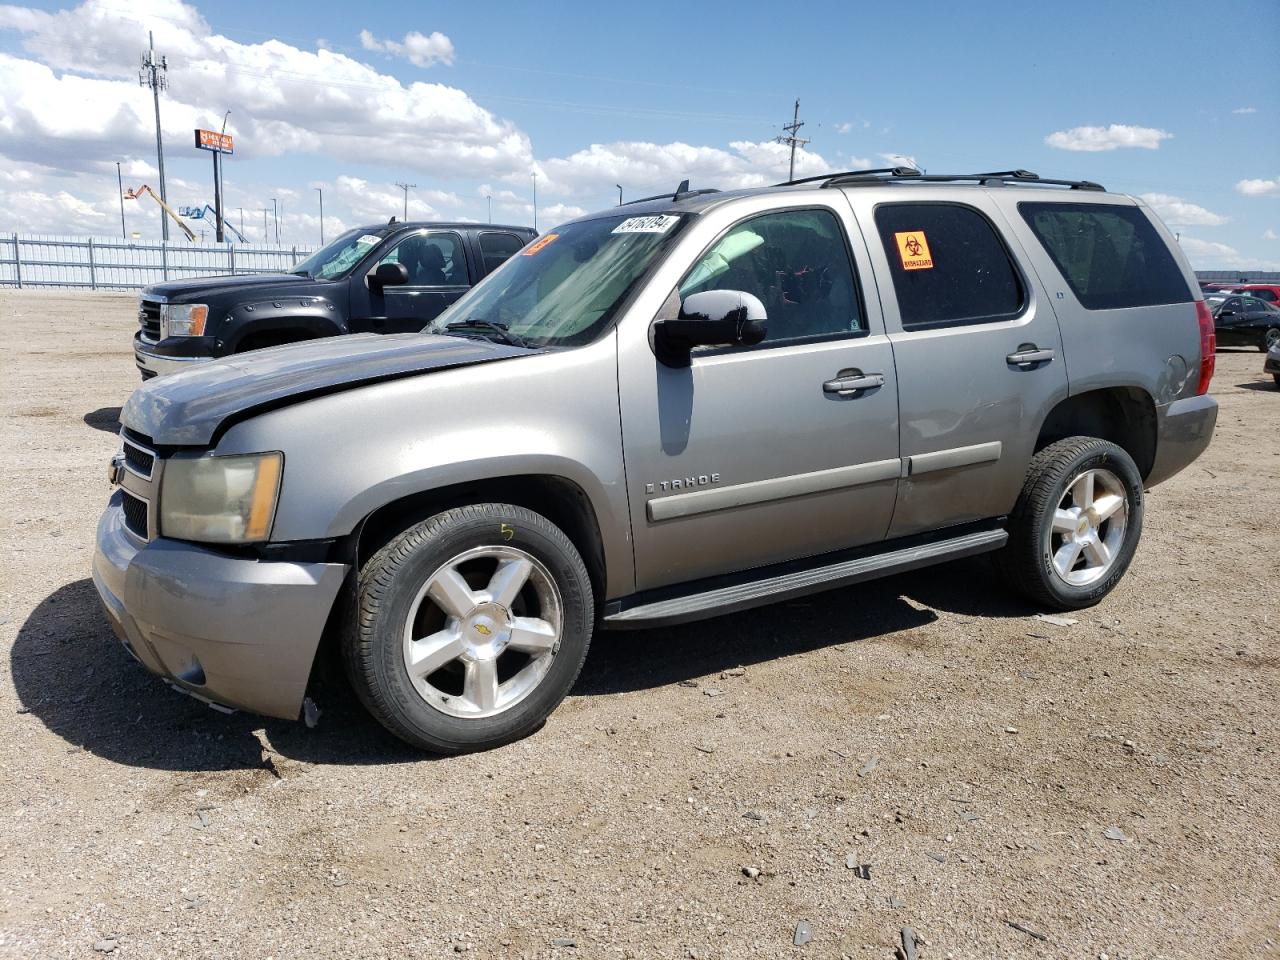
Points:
(690, 405)
(1270, 292)
(1272, 363)
(389, 278)
(1245, 321)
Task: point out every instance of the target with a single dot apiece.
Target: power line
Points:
(155, 74)
(792, 129)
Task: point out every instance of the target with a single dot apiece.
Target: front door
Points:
(754, 455)
(438, 275)
(978, 354)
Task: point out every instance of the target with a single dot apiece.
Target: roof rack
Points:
(998, 178)
(682, 192)
(897, 171)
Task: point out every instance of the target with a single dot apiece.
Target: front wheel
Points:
(471, 627)
(1076, 525)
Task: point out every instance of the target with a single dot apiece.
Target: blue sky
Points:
(594, 94)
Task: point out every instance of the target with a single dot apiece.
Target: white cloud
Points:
(1177, 212)
(1258, 188)
(1269, 234)
(1245, 110)
(843, 127)
(1113, 137)
(1209, 255)
(423, 50)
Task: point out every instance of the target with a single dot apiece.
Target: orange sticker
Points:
(538, 244)
(913, 249)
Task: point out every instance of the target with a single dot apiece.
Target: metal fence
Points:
(93, 263)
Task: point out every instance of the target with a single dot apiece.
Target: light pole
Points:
(619, 186)
(535, 199)
(154, 74)
(120, 187)
(320, 190)
(241, 209)
(487, 197)
(275, 216)
(266, 234)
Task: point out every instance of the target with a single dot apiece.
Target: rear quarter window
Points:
(1111, 256)
(948, 264)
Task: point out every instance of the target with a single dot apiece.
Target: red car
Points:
(1269, 292)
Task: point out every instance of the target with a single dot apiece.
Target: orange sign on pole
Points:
(215, 141)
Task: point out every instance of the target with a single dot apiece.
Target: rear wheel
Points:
(471, 628)
(1076, 524)
(1270, 338)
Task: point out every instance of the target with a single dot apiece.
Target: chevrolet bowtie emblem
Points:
(483, 630)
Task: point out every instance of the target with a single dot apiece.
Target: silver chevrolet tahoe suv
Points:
(694, 404)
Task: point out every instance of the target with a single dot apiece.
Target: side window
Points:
(432, 259)
(497, 247)
(1111, 256)
(1234, 303)
(796, 262)
(948, 265)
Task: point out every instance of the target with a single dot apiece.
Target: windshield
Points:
(340, 256)
(563, 289)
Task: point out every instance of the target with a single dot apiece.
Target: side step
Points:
(797, 583)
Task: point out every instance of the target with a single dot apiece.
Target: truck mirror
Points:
(710, 318)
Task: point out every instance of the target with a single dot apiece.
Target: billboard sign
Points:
(212, 140)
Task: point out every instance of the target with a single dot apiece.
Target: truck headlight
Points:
(183, 319)
(220, 499)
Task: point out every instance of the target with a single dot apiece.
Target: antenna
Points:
(155, 74)
(792, 129)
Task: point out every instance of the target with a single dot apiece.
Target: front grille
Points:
(139, 459)
(149, 319)
(135, 513)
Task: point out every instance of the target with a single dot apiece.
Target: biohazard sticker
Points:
(545, 240)
(913, 250)
(659, 224)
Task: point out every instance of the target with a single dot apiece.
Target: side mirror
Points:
(388, 275)
(1226, 313)
(710, 319)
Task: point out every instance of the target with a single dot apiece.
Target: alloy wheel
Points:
(1087, 529)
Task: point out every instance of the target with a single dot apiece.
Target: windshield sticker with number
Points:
(542, 241)
(659, 224)
(368, 240)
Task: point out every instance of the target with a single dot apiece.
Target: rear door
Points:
(496, 247)
(977, 350)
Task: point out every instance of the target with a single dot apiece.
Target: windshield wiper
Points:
(496, 331)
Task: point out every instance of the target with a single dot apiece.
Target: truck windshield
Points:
(340, 256)
(563, 289)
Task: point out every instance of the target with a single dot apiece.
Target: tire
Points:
(1277, 379)
(496, 672)
(1271, 336)
(1039, 546)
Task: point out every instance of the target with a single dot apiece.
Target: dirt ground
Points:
(977, 759)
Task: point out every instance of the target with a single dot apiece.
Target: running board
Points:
(771, 589)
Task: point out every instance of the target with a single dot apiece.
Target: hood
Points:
(196, 287)
(189, 408)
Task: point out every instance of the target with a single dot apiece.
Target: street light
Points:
(619, 186)
(120, 185)
(321, 192)
(275, 217)
(535, 199)
(487, 197)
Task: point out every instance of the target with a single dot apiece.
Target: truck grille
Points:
(138, 458)
(149, 319)
(135, 513)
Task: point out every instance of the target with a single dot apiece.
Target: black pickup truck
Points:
(390, 278)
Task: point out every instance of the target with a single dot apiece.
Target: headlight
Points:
(183, 319)
(220, 499)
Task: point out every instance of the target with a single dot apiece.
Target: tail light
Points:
(1208, 347)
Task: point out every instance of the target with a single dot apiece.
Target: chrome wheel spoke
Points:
(1064, 521)
(429, 654)
(451, 593)
(508, 580)
(531, 635)
(1066, 557)
(1082, 491)
(480, 685)
(1096, 552)
(1107, 505)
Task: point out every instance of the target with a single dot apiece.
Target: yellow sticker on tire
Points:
(913, 250)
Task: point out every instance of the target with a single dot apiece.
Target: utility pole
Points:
(535, 199)
(320, 190)
(275, 216)
(241, 209)
(619, 186)
(406, 188)
(266, 234)
(120, 187)
(155, 74)
(792, 129)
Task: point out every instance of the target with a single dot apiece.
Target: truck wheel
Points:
(470, 628)
(1076, 524)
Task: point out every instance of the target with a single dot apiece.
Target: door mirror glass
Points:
(388, 275)
(712, 318)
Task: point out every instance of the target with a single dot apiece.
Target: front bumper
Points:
(1183, 431)
(1272, 364)
(158, 359)
(233, 631)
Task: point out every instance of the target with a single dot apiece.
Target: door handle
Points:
(1028, 355)
(848, 386)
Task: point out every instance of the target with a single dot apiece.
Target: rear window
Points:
(949, 267)
(1110, 256)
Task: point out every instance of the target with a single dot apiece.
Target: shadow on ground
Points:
(104, 418)
(72, 675)
(1270, 386)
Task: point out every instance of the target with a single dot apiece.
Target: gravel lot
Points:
(978, 759)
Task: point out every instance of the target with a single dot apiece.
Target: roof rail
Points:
(997, 178)
(896, 171)
(673, 197)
